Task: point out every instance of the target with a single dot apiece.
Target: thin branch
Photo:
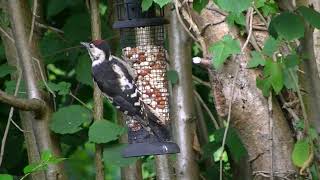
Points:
(271, 134)
(260, 15)
(35, 105)
(80, 101)
(35, 4)
(6, 131)
(6, 34)
(201, 81)
(233, 90)
(215, 123)
(49, 27)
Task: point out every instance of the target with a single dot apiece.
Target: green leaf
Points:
(6, 69)
(162, 2)
(83, 70)
(218, 153)
(288, 81)
(172, 76)
(233, 143)
(256, 60)
(235, 6)
(77, 28)
(6, 177)
(288, 25)
(10, 87)
(310, 15)
(55, 7)
(270, 46)
(63, 88)
(273, 72)
(68, 120)
(56, 160)
(46, 155)
(264, 85)
(236, 18)
(291, 61)
(103, 131)
(112, 155)
(222, 49)
(301, 152)
(146, 4)
(34, 167)
(198, 5)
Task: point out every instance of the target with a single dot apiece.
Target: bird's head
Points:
(98, 50)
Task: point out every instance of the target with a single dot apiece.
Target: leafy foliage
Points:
(301, 152)
(162, 2)
(223, 49)
(113, 154)
(198, 5)
(235, 6)
(104, 131)
(256, 60)
(172, 76)
(68, 120)
(6, 177)
(6, 70)
(146, 4)
(83, 70)
(310, 15)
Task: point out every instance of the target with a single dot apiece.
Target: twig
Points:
(3, 142)
(49, 27)
(215, 123)
(79, 100)
(6, 34)
(35, 4)
(201, 81)
(260, 15)
(233, 90)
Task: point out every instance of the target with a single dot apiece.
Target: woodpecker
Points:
(116, 79)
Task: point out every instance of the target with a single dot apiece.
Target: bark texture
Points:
(182, 102)
(250, 114)
(97, 95)
(20, 15)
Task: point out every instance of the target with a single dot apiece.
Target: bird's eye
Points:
(91, 45)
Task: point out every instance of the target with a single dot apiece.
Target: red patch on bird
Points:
(97, 42)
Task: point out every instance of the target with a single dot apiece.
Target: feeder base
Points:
(155, 148)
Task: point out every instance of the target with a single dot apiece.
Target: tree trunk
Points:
(32, 68)
(250, 114)
(182, 102)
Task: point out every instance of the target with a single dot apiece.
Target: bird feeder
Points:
(142, 36)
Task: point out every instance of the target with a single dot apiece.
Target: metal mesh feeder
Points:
(142, 39)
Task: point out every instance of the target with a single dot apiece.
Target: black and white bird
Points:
(116, 79)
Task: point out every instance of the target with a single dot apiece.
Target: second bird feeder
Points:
(142, 36)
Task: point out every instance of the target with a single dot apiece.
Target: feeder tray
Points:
(142, 38)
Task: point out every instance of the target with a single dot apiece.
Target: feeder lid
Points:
(140, 22)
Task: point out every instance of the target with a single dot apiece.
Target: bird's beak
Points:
(85, 44)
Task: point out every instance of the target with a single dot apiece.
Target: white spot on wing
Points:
(124, 82)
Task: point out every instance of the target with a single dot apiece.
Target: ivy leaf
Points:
(256, 60)
(288, 25)
(236, 18)
(218, 154)
(264, 85)
(301, 152)
(198, 5)
(82, 31)
(46, 155)
(6, 177)
(6, 69)
(68, 120)
(55, 7)
(222, 49)
(288, 81)
(63, 88)
(172, 76)
(113, 154)
(83, 70)
(291, 61)
(235, 6)
(310, 15)
(34, 167)
(146, 4)
(270, 46)
(162, 2)
(273, 72)
(104, 131)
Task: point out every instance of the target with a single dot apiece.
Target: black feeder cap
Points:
(130, 15)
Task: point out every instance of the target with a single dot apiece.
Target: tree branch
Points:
(36, 105)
